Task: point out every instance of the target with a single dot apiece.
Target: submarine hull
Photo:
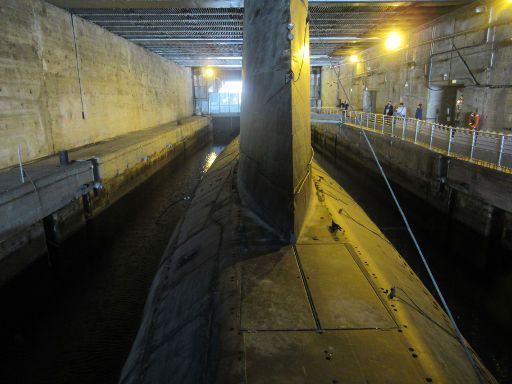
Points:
(232, 303)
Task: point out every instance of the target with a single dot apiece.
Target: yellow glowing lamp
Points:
(393, 41)
(208, 72)
(354, 59)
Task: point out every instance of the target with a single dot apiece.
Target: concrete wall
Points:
(225, 128)
(404, 75)
(123, 87)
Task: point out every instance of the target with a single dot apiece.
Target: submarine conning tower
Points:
(275, 131)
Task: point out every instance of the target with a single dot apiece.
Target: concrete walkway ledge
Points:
(56, 200)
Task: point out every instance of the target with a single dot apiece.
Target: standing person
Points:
(388, 109)
(474, 120)
(401, 111)
(346, 105)
(419, 112)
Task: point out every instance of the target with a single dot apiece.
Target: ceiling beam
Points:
(201, 40)
(119, 4)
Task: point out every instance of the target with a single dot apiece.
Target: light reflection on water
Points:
(210, 158)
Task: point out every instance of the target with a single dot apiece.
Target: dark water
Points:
(75, 321)
(474, 276)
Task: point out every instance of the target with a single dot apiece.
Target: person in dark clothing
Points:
(419, 112)
(388, 109)
(345, 105)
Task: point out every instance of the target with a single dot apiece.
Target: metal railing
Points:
(223, 103)
(489, 148)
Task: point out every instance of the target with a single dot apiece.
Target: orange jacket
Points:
(474, 120)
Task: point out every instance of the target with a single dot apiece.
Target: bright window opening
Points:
(228, 99)
(231, 87)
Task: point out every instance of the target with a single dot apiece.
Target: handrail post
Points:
(416, 131)
(374, 122)
(431, 135)
(367, 120)
(472, 145)
(392, 125)
(450, 141)
(404, 125)
(501, 149)
(383, 122)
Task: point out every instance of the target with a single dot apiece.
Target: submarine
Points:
(275, 274)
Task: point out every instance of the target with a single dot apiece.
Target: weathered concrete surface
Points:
(226, 127)
(125, 162)
(232, 304)
(123, 87)
(470, 193)
(483, 40)
(64, 197)
(275, 146)
(47, 188)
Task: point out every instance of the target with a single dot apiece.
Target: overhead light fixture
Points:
(354, 59)
(393, 41)
(481, 9)
(208, 72)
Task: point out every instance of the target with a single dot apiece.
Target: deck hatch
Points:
(341, 293)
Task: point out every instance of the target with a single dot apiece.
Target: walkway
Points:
(489, 149)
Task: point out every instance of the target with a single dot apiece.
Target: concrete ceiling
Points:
(210, 32)
(210, 3)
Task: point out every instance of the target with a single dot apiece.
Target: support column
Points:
(275, 134)
(434, 103)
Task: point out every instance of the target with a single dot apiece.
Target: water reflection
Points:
(210, 158)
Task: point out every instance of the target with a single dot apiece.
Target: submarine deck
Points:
(232, 303)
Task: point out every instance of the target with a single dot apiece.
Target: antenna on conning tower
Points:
(458, 333)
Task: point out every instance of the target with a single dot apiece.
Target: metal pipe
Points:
(450, 141)
(432, 127)
(466, 65)
(22, 173)
(473, 141)
(501, 150)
